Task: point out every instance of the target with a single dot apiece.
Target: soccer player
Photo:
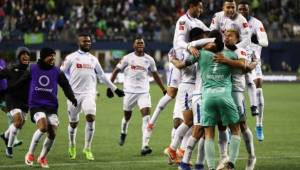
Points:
(17, 100)
(217, 100)
(43, 104)
(225, 19)
(83, 70)
(180, 43)
(136, 66)
(231, 37)
(184, 102)
(259, 39)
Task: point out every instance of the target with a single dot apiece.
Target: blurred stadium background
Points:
(114, 23)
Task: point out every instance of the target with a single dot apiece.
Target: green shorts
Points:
(219, 108)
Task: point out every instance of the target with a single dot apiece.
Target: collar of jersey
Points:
(82, 52)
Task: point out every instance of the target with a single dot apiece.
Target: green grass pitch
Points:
(279, 151)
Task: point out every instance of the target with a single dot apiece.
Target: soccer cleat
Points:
(72, 152)
(222, 163)
(122, 139)
(17, 143)
(251, 163)
(173, 159)
(146, 150)
(199, 167)
(150, 126)
(29, 158)
(88, 154)
(43, 162)
(259, 133)
(184, 166)
(4, 139)
(180, 153)
(254, 111)
(9, 152)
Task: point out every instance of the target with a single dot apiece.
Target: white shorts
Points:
(86, 103)
(174, 76)
(15, 111)
(183, 99)
(258, 71)
(52, 119)
(143, 100)
(196, 106)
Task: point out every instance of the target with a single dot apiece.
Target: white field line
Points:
(131, 162)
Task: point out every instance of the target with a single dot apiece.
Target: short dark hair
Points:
(192, 2)
(84, 34)
(195, 33)
(219, 39)
(244, 2)
(138, 37)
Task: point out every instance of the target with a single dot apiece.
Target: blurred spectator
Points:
(285, 67)
(123, 19)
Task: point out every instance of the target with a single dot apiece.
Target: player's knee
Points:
(90, 118)
(18, 124)
(172, 92)
(221, 127)
(73, 124)
(177, 122)
(189, 123)
(43, 129)
(243, 126)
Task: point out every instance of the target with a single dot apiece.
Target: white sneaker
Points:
(251, 163)
(222, 163)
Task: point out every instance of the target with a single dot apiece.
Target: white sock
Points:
(248, 138)
(173, 133)
(180, 132)
(160, 106)
(124, 126)
(46, 147)
(89, 134)
(72, 136)
(252, 93)
(223, 143)
(261, 104)
(12, 134)
(189, 149)
(35, 140)
(6, 133)
(146, 133)
(185, 139)
(201, 152)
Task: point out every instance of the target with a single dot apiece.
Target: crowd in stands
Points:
(124, 19)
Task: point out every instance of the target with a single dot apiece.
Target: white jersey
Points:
(257, 28)
(183, 26)
(188, 74)
(83, 69)
(136, 69)
(238, 77)
(198, 84)
(222, 23)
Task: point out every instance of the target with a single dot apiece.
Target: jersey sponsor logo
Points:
(245, 24)
(88, 66)
(261, 29)
(137, 67)
(44, 81)
(181, 25)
